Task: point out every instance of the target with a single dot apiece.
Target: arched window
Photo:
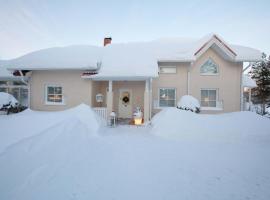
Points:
(209, 68)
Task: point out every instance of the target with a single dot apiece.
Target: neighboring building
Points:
(14, 85)
(151, 75)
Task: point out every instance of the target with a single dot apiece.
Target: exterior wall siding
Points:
(75, 89)
(228, 81)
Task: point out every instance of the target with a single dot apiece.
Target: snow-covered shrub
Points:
(8, 104)
(190, 103)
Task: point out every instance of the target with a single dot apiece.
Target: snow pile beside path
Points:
(29, 123)
(175, 123)
(188, 102)
(6, 98)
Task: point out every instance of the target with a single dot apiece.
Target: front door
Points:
(125, 103)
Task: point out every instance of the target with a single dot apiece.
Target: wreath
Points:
(125, 99)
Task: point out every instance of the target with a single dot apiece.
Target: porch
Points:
(122, 97)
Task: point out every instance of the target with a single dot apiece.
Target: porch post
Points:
(146, 102)
(109, 99)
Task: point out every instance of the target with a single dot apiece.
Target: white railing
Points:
(101, 111)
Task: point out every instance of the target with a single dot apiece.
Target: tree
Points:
(260, 72)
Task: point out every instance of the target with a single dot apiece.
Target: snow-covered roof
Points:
(136, 59)
(247, 81)
(6, 75)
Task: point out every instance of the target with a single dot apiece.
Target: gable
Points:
(218, 45)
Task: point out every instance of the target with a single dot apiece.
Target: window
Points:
(209, 68)
(167, 70)
(167, 97)
(54, 95)
(208, 97)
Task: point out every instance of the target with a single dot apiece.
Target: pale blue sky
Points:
(28, 25)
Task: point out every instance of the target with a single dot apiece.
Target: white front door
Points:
(125, 103)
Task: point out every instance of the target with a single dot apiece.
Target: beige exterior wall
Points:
(177, 81)
(75, 89)
(228, 81)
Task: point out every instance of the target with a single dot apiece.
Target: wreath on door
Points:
(125, 99)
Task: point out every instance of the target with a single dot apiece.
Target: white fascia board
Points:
(119, 78)
(50, 69)
(221, 46)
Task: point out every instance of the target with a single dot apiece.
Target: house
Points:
(150, 75)
(17, 86)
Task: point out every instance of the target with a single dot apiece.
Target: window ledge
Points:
(211, 108)
(54, 104)
(209, 74)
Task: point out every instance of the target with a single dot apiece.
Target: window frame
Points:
(217, 99)
(46, 95)
(175, 98)
(172, 67)
(209, 74)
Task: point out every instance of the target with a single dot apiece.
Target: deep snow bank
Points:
(173, 122)
(29, 123)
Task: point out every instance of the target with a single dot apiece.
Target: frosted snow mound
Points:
(29, 123)
(226, 126)
(188, 102)
(6, 98)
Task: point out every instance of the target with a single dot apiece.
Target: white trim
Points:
(211, 108)
(46, 102)
(161, 107)
(217, 100)
(212, 41)
(168, 67)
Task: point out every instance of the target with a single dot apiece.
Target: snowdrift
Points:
(176, 123)
(30, 123)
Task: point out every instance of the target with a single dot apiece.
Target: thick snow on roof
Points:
(246, 54)
(247, 81)
(70, 57)
(136, 59)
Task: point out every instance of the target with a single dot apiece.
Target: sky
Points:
(29, 25)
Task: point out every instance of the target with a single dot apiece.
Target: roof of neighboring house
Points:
(247, 81)
(136, 59)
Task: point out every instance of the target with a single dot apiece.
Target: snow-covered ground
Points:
(71, 155)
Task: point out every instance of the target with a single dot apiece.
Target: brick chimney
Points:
(107, 40)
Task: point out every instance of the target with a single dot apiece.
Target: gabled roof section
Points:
(218, 44)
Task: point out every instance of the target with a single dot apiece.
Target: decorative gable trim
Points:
(219, 43)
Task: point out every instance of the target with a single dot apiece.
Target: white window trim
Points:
(209, 74)
(217, 100)
(53, 103)
(162, 107)
(174, 67)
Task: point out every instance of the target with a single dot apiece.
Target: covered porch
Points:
(123, 97)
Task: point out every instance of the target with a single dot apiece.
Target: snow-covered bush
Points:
(190, 103)
(9, 104)
(7, 100)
